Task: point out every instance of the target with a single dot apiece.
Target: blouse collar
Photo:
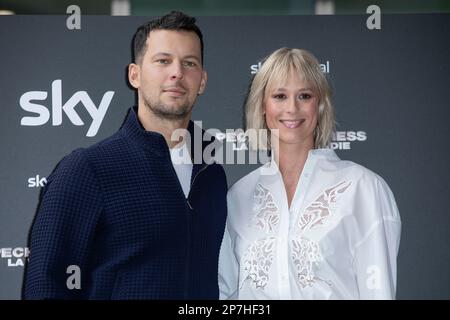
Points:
(270, 176)
(271, 167)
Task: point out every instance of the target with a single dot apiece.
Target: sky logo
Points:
(58, 108)
(36, 182)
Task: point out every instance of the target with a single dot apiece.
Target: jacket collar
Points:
(155, 142)
(148, 140)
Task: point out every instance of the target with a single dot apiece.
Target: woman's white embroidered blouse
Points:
(338, 240)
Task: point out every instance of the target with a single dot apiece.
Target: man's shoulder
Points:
(82, 158)
(112, 144)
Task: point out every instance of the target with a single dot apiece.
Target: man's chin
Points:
(169, 110)
(174, 113)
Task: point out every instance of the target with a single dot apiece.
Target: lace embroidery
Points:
(320, 209)
(258, 260)
(259, 255)
(267, 217)
(305, 255)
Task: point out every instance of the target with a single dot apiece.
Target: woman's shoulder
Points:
(353, 170)
(240, 196)
(362, 178)
(370, 192)
(365, 175)
(246, 183)
(326, 160)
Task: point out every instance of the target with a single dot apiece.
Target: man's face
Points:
(170, 75)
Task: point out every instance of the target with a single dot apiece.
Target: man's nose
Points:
(177, 71)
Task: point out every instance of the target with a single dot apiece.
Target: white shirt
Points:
(182, 163)
(338, 240)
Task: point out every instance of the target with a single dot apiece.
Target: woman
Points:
(320, 227)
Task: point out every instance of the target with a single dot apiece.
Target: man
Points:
(120, 215)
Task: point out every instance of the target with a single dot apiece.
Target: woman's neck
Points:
(291, 159)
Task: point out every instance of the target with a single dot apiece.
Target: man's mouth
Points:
(175, 91)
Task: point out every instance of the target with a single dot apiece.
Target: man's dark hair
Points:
(175, 20)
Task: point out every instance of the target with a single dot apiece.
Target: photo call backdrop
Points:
(61, 89)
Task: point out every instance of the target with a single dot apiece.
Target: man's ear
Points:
(134, 75)
(203, 82)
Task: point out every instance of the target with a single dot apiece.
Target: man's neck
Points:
(166, 127)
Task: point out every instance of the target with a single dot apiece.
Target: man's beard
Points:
(164, 111)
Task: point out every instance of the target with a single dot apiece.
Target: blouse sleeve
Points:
(375, 258)
(228, 269)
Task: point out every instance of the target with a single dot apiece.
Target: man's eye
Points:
(189, 64)
(305, 96)
(162, 61)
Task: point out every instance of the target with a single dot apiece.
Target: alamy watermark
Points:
(229, 147)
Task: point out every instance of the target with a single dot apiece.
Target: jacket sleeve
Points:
(376, 253)
(62, 232)
(228, 269)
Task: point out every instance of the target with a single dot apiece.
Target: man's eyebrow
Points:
(192, 57)
(166, 54)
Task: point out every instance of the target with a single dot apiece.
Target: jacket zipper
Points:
(193, 182)
(186, 292)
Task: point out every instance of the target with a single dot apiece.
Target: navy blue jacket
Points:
(118, 212)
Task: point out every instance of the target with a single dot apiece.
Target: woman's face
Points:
(292, 108)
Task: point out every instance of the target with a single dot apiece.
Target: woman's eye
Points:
(279, 96)
(305, 96)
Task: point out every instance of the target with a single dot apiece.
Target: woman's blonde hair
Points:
(276, 68)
